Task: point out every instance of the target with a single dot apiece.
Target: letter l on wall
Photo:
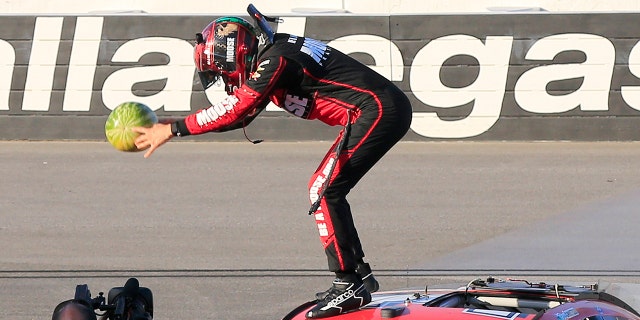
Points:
(82, 65)
(42, 64)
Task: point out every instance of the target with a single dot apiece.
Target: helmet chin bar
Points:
(232, 81)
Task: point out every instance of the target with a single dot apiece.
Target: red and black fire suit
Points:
(311, 80)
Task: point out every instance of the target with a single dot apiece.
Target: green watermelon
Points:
(124, 117)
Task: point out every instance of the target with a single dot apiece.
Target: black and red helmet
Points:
(226, 49)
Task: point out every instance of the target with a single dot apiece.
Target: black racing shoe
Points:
(370, 282)
(364, 271)
(345, 295)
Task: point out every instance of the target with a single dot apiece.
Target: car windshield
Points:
(627, 292)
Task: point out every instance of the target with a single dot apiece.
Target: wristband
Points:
(179, 129)
(174, 129)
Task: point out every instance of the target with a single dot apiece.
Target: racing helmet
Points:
(226, 49)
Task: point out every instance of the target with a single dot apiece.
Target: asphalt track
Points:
(220, 230)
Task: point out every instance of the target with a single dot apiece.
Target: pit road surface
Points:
(221, 231)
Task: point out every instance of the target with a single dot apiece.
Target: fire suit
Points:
(311, 80)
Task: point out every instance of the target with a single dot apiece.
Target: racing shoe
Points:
(345, 295)
(364, 271)
(370, 282)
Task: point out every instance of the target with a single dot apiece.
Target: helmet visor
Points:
(208, 78)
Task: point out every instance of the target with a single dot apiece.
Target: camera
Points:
(129, 302)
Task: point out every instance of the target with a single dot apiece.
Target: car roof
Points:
(482, 298)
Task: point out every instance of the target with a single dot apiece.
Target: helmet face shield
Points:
(226, 49)
(208, 78)
(208, 71)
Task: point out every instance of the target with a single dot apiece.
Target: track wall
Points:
(533, 76)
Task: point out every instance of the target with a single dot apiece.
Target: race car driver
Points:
(312, 81)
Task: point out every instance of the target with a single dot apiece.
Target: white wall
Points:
(383, 7)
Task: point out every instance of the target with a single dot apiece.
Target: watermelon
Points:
(124, 117)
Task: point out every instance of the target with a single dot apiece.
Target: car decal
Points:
(492, 313)
(567, 314)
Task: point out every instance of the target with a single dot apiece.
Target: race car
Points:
(492, 298)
